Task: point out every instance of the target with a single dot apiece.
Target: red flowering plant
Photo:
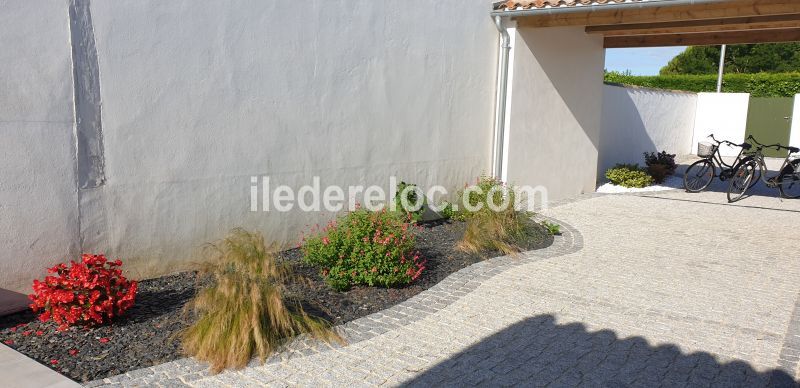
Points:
(365, 247)
(87, 293)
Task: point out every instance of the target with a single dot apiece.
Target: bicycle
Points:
(701, 173)
(787, 180)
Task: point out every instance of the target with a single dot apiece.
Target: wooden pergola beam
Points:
(701, 39)
(766, 22)
(607, 15)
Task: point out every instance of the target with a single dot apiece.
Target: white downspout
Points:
(499, 156)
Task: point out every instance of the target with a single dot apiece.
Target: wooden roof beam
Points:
(766, 22)
(606, 15)
(703, 39)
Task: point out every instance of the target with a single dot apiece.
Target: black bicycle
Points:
(701, 173)
(787, 180)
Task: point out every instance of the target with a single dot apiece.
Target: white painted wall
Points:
(556, 110)
(724, 115)
(38, 192)
(637, 120)
(794, 137)
(196, 99)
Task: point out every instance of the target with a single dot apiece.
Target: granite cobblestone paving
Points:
(664, 289)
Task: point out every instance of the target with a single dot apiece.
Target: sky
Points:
(640, 61)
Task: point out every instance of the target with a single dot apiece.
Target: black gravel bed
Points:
(144, 336)
(436, 243)
(147, 334)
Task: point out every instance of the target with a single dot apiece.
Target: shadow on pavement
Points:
(717, 185)
(539, 352)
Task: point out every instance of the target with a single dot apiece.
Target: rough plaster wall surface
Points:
(636, 120)
(556, 110)
(38, 192)
(86, 80)
(197, 99)
(721, 114)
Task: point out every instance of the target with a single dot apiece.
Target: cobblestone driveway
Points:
(668, 289)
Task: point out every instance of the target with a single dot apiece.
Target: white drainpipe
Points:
(499, 156)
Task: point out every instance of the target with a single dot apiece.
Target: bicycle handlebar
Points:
(725, 141)
(776, 146)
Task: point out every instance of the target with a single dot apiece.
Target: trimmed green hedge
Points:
(758, 85)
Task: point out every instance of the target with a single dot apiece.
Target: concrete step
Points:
(19, 371)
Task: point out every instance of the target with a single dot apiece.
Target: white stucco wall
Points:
(794, 137)
(556, 110)
(721, 114)
(38, 194)
(637, 120)
(197, 99)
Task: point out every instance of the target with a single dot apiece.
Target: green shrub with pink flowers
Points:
(365, 248)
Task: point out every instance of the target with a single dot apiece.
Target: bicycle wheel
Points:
(740, 181)
(756, 178)
(789, 181)
(699, 175)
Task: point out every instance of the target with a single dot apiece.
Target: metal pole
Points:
(721, 68)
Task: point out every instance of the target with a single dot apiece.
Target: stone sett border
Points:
(181, 372)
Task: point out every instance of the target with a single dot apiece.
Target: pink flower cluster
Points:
(365, 247)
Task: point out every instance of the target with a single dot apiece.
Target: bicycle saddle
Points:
(793, 149)
(746, 146)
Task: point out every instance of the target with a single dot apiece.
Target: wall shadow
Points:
(539, 352)
(622, 144)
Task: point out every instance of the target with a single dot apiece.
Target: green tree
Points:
(745, 58)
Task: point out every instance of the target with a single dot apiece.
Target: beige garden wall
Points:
(556, 110)
(199, 97)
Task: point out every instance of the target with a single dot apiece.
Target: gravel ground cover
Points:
(147, 334)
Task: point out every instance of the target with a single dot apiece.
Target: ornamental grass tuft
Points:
(504, 228)
(244, 313)
(504, 231)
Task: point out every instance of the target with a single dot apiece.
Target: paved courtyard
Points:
(664, 289)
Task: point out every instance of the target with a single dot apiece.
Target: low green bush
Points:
(660, 165)
(410, 192)
(490, 227)
(447, 211)
(480, 198)
(658, 172)
(552, 228)
(662, 158)
(365, 247)
(629, 175)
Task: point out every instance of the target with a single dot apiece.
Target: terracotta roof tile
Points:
(511, 5)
